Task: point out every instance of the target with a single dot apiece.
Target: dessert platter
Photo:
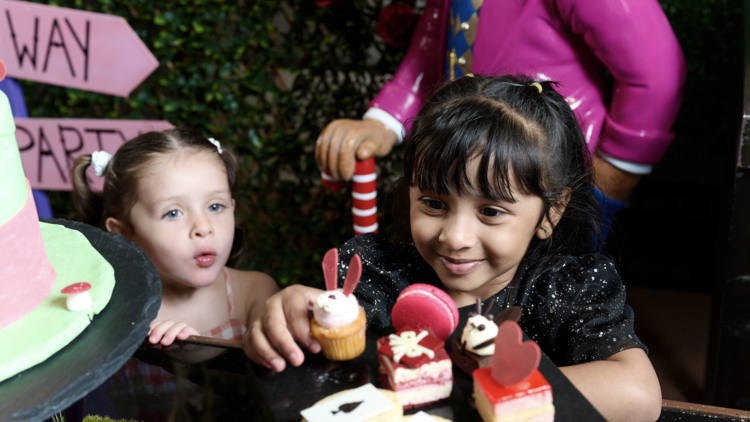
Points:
(75, 301)
(423, 368)
(403, 373)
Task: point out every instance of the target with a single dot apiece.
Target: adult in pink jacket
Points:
(569, 41)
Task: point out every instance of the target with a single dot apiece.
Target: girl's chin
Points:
(461, 284)
(474, 284)
(195, 279)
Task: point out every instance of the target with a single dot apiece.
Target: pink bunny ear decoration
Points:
(352, 276)
(330, 269)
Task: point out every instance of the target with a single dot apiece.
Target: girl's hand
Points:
(270, 338)
(165, 332)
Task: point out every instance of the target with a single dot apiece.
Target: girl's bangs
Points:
(447, 147)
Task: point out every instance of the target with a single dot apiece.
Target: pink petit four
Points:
(415, 365)
(512, 388)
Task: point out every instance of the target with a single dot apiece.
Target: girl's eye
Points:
(433, 204)
(215, 207)
(172, 214)
(491, 212)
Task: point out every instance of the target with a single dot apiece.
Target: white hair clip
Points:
(99, 161)
(215, 142)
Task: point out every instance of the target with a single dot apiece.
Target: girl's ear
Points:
(117, 226)
(544, 230)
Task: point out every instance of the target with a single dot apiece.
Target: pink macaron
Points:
(423, 306)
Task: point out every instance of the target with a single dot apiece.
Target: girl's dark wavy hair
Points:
(523, 138)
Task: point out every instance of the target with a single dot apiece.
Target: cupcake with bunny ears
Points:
(338, 321)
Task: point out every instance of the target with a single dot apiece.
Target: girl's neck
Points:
(178, 292)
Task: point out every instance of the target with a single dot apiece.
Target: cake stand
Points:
(102, 348)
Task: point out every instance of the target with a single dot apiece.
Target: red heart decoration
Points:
(513, 361)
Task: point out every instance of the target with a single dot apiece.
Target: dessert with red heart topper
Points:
(477, 344)
(338, 321)
(414, 364)
(512, 388)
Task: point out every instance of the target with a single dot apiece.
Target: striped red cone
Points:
(364, 195)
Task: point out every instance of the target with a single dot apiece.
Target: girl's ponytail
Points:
(89, 204)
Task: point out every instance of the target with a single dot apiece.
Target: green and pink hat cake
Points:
(39, 261)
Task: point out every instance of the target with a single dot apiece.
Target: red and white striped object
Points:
(364, 195)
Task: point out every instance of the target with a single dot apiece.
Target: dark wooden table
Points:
(296, 389)
(155, 387)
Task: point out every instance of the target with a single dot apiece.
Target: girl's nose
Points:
(201, 226)
(458, 233)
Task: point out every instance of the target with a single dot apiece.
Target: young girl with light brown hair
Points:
(171, 193)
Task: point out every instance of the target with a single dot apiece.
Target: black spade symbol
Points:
(347, 407)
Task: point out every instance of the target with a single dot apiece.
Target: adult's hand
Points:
(613, 182)
(344, 141)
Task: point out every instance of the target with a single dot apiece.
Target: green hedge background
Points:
(266, 76)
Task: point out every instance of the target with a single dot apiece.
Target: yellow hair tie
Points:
(538, 86)
(471, 75)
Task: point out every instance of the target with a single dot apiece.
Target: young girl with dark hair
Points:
(171, 193)
(498, 204)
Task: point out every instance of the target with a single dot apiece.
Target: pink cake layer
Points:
(432, 369)
(441, 378)
(26, 274)
(419, 395)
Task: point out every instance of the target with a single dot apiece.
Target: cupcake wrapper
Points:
(344, 348)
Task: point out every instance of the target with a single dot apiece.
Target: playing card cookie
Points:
(366, 404)
(338, 321)
(424, 417)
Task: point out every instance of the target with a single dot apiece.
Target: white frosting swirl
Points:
(332, 309)
(478, 330)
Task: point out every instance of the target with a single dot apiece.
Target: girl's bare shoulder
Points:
(251, 287)
(254, 281)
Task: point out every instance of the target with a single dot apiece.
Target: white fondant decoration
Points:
(78, 301)
(373, 404)
(408, 344)
(477, 331)
(331, 302)
(421, 416)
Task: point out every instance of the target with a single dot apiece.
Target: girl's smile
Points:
(460, 266)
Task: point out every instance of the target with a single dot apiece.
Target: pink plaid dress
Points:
(140, 382)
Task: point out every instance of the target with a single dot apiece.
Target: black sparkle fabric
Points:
(573, 307)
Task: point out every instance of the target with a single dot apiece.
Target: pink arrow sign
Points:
(72, 48)
(49, 146)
